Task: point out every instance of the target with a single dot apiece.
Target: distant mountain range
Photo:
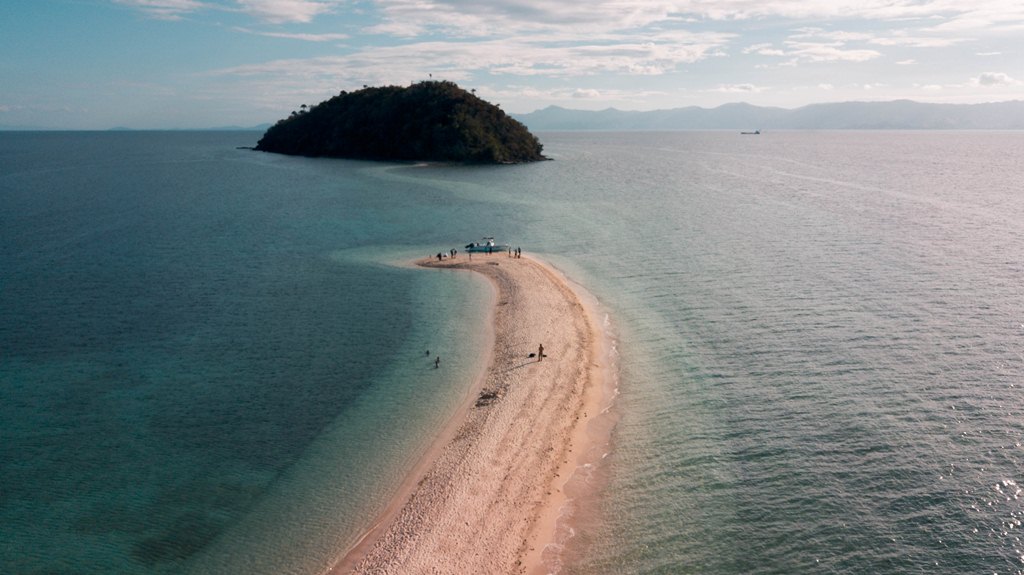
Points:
(260, 128)
(895, 115)
(27, 128)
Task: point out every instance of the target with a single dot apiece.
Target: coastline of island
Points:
(488, 496)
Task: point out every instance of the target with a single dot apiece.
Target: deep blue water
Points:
(210, 364)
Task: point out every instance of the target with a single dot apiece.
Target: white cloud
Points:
(815, 44)
(832, 35)
(526, 97)
(297, 36)
(988, 53)
(827, 52)
(516, 57)
(987, 17)
(994, 79)
(398, 29)
(281, 11)
(739, 89)
(915, 41)
(273, 11)
(900, 37)
(164, 9)
(599, 44)
(470, 16)
(477, 18)
(766, 49)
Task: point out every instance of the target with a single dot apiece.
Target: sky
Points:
(171, 64)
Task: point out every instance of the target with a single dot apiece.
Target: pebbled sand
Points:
(487, 499)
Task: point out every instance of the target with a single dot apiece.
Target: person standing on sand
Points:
(437, 362)
(540, 353)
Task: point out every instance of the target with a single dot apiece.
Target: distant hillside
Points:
(895, 115)
(259, 128)
(433, 121)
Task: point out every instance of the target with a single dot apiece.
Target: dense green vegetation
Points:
(434, 121)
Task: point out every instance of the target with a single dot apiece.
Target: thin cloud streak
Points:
(296, 35)
(164, 9)
(739, 89)
(272, 11)
(282, 11)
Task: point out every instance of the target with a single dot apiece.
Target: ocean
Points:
(214, 360)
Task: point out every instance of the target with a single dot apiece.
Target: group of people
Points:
(540, 356)
(512, 253)
(516, 253)
(451, 254)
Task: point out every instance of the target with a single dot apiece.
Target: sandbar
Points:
(486, 499)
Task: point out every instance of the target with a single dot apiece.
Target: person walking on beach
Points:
(437, 362)
(540, 353)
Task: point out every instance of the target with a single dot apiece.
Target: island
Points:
(433, 121)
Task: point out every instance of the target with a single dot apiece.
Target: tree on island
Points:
(432, 121)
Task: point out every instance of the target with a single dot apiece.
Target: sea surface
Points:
(214, 360)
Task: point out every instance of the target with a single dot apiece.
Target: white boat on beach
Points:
(487, 245)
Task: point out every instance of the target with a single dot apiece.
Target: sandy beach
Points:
(486, 499)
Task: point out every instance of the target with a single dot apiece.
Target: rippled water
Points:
(820, 339)
(822, 352)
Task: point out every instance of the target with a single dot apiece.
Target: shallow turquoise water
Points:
(820, 340)
(206, 351)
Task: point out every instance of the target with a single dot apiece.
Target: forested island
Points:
(427, 121)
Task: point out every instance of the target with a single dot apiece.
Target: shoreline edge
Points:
(488, 495)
